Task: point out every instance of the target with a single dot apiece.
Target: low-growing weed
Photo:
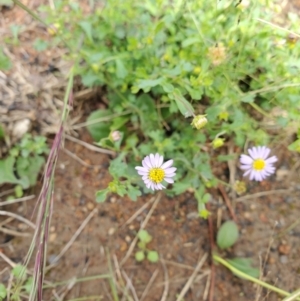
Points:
(144, 252)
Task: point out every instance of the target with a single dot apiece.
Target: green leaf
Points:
(101, 195)
(19, 191)
(3, 291)
(133, 192)
(28, 285)
(183, 105)
(121, 71)
(227, 235)
(97, 128)
(245, 266)
(5, 62)
(117, 167)
(2, 133)
(87, 28)
(144, 236)
(29, 168)
(7, 172)
(40, 45)
(19, 271)
(248, 98)
(152, 256)
(139, 256)
(147, 84)
(6, 3)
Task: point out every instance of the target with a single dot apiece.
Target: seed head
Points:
(199, 122)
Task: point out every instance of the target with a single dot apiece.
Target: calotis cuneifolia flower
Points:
(257, 164)
(154, 171)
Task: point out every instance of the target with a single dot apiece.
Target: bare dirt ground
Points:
(268, 219)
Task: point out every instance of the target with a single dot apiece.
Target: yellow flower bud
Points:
(199, 122)
(239, 187)
(217, 142)
(223, 116)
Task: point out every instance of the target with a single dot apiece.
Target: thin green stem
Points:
(250, 278)
(30, 12)
(258, 109)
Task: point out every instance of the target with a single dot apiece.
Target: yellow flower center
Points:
(258, 164)
(156, 175)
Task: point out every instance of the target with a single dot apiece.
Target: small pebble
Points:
(131, 227)
(90, 205)
(283, 259)
(284, 249)
(52, 237)
(111, 231)
(162, 218)
(113, 199)
(127, 238)
(52, 229)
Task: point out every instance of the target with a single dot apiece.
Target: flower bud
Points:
(239, 187)
(217, 142)
(199, 122)
(115, 136)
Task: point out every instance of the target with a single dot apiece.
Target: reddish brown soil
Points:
(269, 234)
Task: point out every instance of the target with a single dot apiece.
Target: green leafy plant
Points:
(24, 162)
(20, 284)
(227, 236)
(144, 252)
(163, 63)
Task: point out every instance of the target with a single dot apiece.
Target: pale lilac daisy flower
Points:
(258, 165)
(154, 171)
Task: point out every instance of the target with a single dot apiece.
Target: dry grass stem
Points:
(180, 265)
(90, 146)
(24, 199)
(143, 225)
(263, 193)
(150, 282)
(167, 282)
(74, 237)
(7, 260)
(131, 287)
(191, 279)
(138, 212)
(18, 217)
(14, 233)
(73, 156)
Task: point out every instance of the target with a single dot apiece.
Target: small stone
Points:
(90, 205)
(113, 199)
(169, 256)
(162, 218)
(52, 237)
(131, 227)
(52, 229)
(252, 206)
(283, 259)
(271, 260)
(281, 174)
(22, 226)
(123, 246)
(284, 249)
(111, 231)
(128, 238)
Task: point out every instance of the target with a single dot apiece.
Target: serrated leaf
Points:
(245, 266)
(7, 173)
(139, 256)
(101, 195)
(227, 235)
(133, 192)
(118, 168)
(152, 256)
